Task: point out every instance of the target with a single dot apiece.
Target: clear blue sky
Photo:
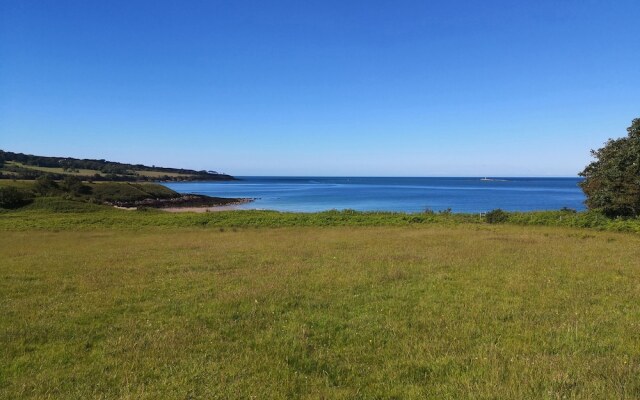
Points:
(382, 88)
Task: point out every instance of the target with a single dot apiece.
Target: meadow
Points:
(110, 304)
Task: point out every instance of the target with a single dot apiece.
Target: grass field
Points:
(415, 311)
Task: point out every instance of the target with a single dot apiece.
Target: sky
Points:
(325, 88)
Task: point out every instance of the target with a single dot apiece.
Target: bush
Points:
(46, 185)
(62, 205)
(10, 197)
(496, 216)
(74, 185)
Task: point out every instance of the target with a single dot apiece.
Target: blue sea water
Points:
(308, 194)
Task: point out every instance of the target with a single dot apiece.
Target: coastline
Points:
(230, 207)
(403, 194)
(186, 202)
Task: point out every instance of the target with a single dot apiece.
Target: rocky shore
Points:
(187, 200)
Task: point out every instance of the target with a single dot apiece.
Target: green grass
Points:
(417, 311)
(58, 207)
(88, 216)
(19, 184)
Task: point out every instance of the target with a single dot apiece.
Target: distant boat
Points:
(492, 180)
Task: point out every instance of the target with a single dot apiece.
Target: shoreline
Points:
(229, 207)
(184, 202)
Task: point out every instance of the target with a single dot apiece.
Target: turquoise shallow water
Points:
(309, 194)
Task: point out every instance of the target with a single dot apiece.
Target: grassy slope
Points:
(103, 191)
(435, 311)
(92, 172)
(78, 216)
(83, 172)
(19, 184)
(126, 191)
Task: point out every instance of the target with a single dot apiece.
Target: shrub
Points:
(74, 185)
(496, 216)
(46, 185)
(10, 197)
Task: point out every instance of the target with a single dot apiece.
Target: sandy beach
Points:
(201, 209)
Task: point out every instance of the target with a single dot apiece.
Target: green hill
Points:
(27, 166)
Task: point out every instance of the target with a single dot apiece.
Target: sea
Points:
(411, 195)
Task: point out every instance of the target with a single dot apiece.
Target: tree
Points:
(74, 185)
(46, 185)
(10, 197)
(612, 181)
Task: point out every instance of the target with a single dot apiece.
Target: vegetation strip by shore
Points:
(54, 213)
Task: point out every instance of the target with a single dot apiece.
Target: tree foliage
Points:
(612, 181)
(74, 185)
(10, 197)
(46, 185)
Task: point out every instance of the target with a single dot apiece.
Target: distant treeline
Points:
(104, 170)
